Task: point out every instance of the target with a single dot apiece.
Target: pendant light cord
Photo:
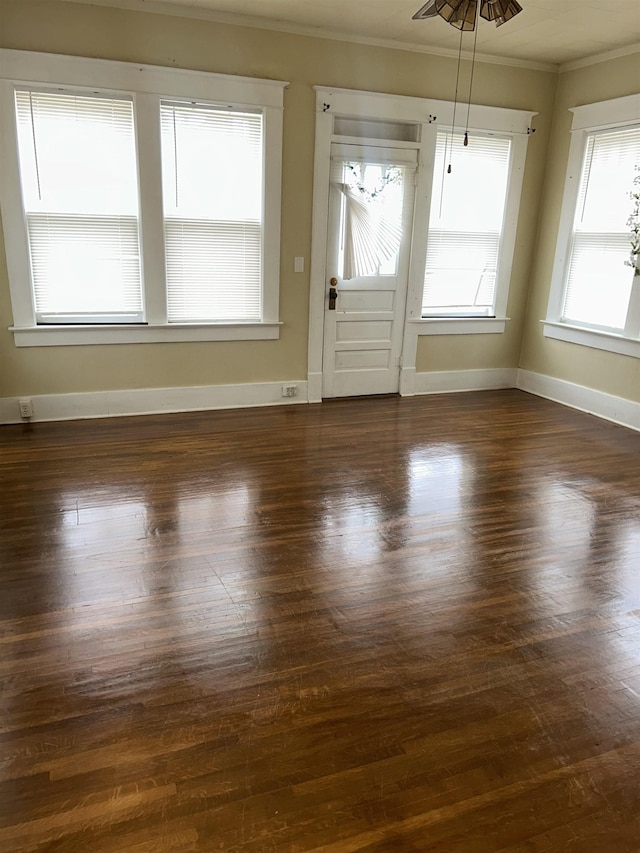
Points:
(455, 103)
(448, 142)
(473, 65)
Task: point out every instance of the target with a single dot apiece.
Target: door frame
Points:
(376, 380)
(342, 109)
(376, 108)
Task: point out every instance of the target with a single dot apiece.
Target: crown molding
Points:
(166, 7)
(576, 64)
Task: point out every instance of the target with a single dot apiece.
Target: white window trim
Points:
(502, 121)
(593, 338)
(519, 139)
(123, 333)
(603, 115)
(460, 325)
(147, 84)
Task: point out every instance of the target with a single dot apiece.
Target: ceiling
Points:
(548, 32)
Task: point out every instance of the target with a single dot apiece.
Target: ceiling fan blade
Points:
(499, 11)
(429, 10)
(461, 14)
(511, 10)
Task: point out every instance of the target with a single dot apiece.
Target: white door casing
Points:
(371, 198)
(409, 124)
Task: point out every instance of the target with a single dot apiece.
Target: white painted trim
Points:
(152, 253)
(565, 226)
(611, 408)
(147, 83)
(588, 118)
(150, 401)
(24, 66)
(318, 266)
(407, 383)
(613, 113)
(147, 401)
(421, 214)
(56, 336)
(160, 7)
(429, 114)
(352, 103)
(271, 213)
(576, 64)
(593, 338)
(314, 387)
(449, 381)
(405, 155)
(510, 220)
(14, 226)
(460, 325)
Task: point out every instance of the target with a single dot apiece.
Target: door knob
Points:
(333, 293)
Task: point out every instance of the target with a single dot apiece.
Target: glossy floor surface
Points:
(367, 625)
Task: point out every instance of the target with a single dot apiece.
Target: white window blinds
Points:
(212, 173)
(80, 193)
(598, 284)
(465, 225)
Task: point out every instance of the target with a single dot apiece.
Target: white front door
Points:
(368, 246)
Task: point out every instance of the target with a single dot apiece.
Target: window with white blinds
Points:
(78, 173)
(465, 225)
(140, 203)
(212, 180)
(598, 281)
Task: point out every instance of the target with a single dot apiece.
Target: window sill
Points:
(608, 341)
(62, 336)
(460, 325)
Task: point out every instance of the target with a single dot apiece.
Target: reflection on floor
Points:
(367, 625)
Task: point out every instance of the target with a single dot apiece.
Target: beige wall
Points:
(97, 31)
(608, 372)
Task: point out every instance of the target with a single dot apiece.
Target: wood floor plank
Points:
(372, 625)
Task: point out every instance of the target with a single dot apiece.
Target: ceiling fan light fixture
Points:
(499, 11)
(461, 14)
(429, 10)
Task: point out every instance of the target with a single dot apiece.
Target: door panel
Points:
(372, 359)
(364, 330)
(370, 217)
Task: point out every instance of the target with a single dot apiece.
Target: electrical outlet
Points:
(289, 390)
(26, 408)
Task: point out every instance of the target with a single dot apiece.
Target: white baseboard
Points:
(448, 381)
(314, 387)
(148, 401)
(407, 381)
(617, 409)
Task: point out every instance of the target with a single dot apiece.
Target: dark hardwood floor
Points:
(368, 625)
